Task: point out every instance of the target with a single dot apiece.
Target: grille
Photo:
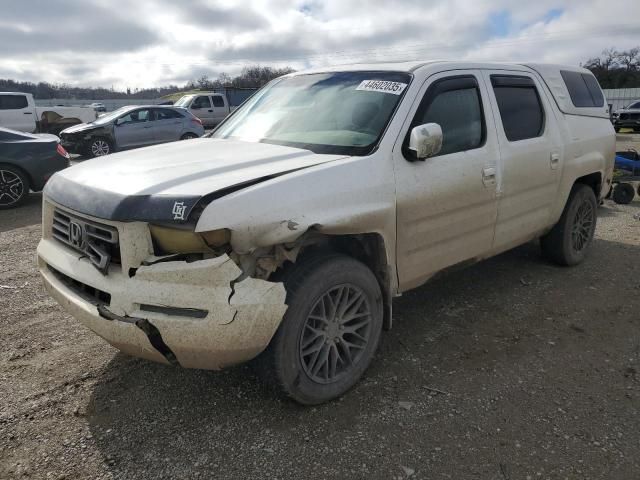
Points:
(97, 241)
(83, 290)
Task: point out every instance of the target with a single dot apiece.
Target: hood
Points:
(165, 182)
(80, 127)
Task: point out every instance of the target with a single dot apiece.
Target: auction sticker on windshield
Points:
(384, 86)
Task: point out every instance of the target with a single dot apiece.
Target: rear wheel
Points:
(568, 241)
(14, 187)
(188, 136)
(623, 193)
(99, 147)
(330, 331)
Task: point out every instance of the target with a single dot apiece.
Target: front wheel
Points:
(99, 147)
(330, 331)
(568, 241)
(14, 187)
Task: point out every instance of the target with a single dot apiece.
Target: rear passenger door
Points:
(531, 154)
(220, 108)
(16, 113)
(446, 204)
(167, 126)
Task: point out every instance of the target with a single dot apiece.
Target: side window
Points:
(634, 106)
(218, 101)
(520, 107)
(583, 89)
(13, 102)
(166, 114)
(455, 104)
(201, 102)
(137, 116)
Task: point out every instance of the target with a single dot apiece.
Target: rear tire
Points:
(330, 331)
(568, 241)
(188, 136)
(623, 193)
(14, 187)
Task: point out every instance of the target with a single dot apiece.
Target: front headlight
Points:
(173, 240)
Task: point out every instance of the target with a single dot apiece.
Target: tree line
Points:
(616, 68)
(613, 68)
(250, 77)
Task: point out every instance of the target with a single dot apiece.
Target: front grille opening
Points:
(97, 241)
(87, 292)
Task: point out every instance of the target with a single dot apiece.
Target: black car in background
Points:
(27, 161)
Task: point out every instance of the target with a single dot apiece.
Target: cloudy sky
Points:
(143, 43)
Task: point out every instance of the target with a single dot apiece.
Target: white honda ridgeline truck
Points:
(286, 234)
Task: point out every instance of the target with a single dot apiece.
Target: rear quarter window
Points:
(583, 89)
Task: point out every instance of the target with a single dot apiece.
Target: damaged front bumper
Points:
(195, 314)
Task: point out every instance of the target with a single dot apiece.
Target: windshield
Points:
(342, 113)
(183, 102)
(106, 118)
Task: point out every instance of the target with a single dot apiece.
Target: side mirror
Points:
(195, 107)
(426, 140)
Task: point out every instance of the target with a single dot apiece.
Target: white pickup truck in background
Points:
(213, 107)
(18, 111)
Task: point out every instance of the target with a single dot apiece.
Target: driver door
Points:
(446, 204)
(201, 107)
(134, 129)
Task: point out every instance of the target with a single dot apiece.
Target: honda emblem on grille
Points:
(76, 235)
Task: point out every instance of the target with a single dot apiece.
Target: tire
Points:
(324, 372)
(14, 187)
(568, 241)
(623, 193)
(99, 147)
(617, 129)
(188, 136)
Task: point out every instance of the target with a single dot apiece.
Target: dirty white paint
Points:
(430, 214)
(242, 315)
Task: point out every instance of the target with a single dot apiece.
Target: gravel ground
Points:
(511, 369)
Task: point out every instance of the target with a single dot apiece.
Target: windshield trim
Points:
(353, 151)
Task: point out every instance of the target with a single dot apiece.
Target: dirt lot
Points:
(511, 369)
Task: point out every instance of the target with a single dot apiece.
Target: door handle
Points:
(489, 176)
(27, 113)
(148, 126)
(554, 161)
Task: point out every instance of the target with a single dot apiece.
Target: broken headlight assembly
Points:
(168, 240)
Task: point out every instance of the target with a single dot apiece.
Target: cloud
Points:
(156, 42)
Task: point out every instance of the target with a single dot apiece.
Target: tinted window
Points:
(520, 108)
(218, 101)
(594, 89)
(201, 102)
(166, 114)
(583, 89)
(12, 102)
(634, 105)
(459, 114)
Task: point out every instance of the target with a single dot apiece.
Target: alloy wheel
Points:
(99, 148)
(11, 188)
(335, 334)
(582, 229)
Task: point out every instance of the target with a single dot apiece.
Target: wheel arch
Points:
(368, 248)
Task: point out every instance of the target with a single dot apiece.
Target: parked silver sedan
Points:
(131, 127)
